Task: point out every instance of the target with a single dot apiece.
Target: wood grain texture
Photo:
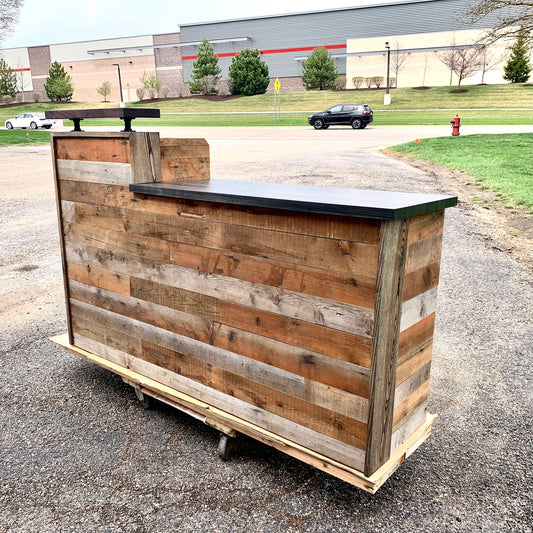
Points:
(303, 362)
(418, 308)
(410, 406)
(351, 348)
(94, 172)
(424, 226)
(185, 159)
(424, 252)
(415, 360)
(416, 335)
(389, 289)
(322, 312)
(355, 290)
(93, 149)
(145, 157)
(99, 277)
(336, 227)
(421, 280)
(346, 454)
(118, 332)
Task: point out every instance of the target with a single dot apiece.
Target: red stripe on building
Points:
(17, 70)
(275, 51)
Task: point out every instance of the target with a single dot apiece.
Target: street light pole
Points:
(387, 99)
(119, 84)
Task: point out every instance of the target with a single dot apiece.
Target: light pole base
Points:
(387, 99)
(122, 104)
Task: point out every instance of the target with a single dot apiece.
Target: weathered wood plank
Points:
(145, 157)
(311, 365)
(99, 277)
(411, 384)
(110, 150)
(94, 172)
(416, 335)
(342, 256)
(115, 327)
(415, 360)
(355, 290)
(410, 405)
(67, 211)
(87, 193)
(389, 288)
(184, 159)
(418, 308)
(335, 227)
(304, 436)
(420, 281)
(424, 226)
(409, 427)
(115, 242)
(322, 312)
(423, 253)
(351, 348)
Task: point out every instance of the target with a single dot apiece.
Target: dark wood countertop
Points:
(381, 205)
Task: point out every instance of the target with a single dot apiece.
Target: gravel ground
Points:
(79, 453)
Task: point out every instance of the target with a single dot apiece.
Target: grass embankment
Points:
(8, 138)
(433, 106)
(501, 163)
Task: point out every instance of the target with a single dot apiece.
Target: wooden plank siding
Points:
(317, 328)
(418, 320)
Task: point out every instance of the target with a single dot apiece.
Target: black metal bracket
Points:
(77, 124)
(127, 123)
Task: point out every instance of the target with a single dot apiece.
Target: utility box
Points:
(300, 316)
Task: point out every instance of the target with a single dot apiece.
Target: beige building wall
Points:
(422, 65)
(88, 71)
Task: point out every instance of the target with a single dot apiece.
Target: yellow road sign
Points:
(277, 85)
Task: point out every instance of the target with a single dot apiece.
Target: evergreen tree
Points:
(319, 70)
(205, 70)
(8, 80)
(248, 73)
(517, 68)
(58, 85)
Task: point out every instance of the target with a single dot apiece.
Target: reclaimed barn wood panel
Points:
(317, 328)
(418, 320)
(185, 159)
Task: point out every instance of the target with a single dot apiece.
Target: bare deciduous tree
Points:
(505, 17)
(397, 61)
(449, 58)
(488, 60)
(9, 14)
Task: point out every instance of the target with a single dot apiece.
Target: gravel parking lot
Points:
(79, 453)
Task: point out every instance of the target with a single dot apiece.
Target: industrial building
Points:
(417, 32)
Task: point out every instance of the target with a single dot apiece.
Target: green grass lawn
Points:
(29, 137)
(433, 106)
(502, 163)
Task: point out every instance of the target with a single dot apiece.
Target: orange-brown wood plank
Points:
(423, 253)
(184, 159)
(99, 277)
(416, 335)
(421, 280)
(408, 407)
(424, 226)
(110, 150)
(413, 362)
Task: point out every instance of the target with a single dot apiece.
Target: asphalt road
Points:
(78, 452)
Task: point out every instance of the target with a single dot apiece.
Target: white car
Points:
(29, 120)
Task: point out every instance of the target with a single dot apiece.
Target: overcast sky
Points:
(61, 21)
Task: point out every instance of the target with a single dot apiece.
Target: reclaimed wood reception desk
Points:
(300, 316)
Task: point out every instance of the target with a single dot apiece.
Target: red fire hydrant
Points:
(456, 124)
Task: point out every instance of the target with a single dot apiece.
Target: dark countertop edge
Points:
(183, 190)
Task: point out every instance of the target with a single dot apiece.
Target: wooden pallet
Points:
(228, 424)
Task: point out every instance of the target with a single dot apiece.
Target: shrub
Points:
(340, 83)
(368, 82)
(358, 81)
(377, 81)
(248, 73)
(58, 84)
(319, 70)
(7, 99)
(140, 93)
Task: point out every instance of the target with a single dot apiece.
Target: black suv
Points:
(358, 115)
